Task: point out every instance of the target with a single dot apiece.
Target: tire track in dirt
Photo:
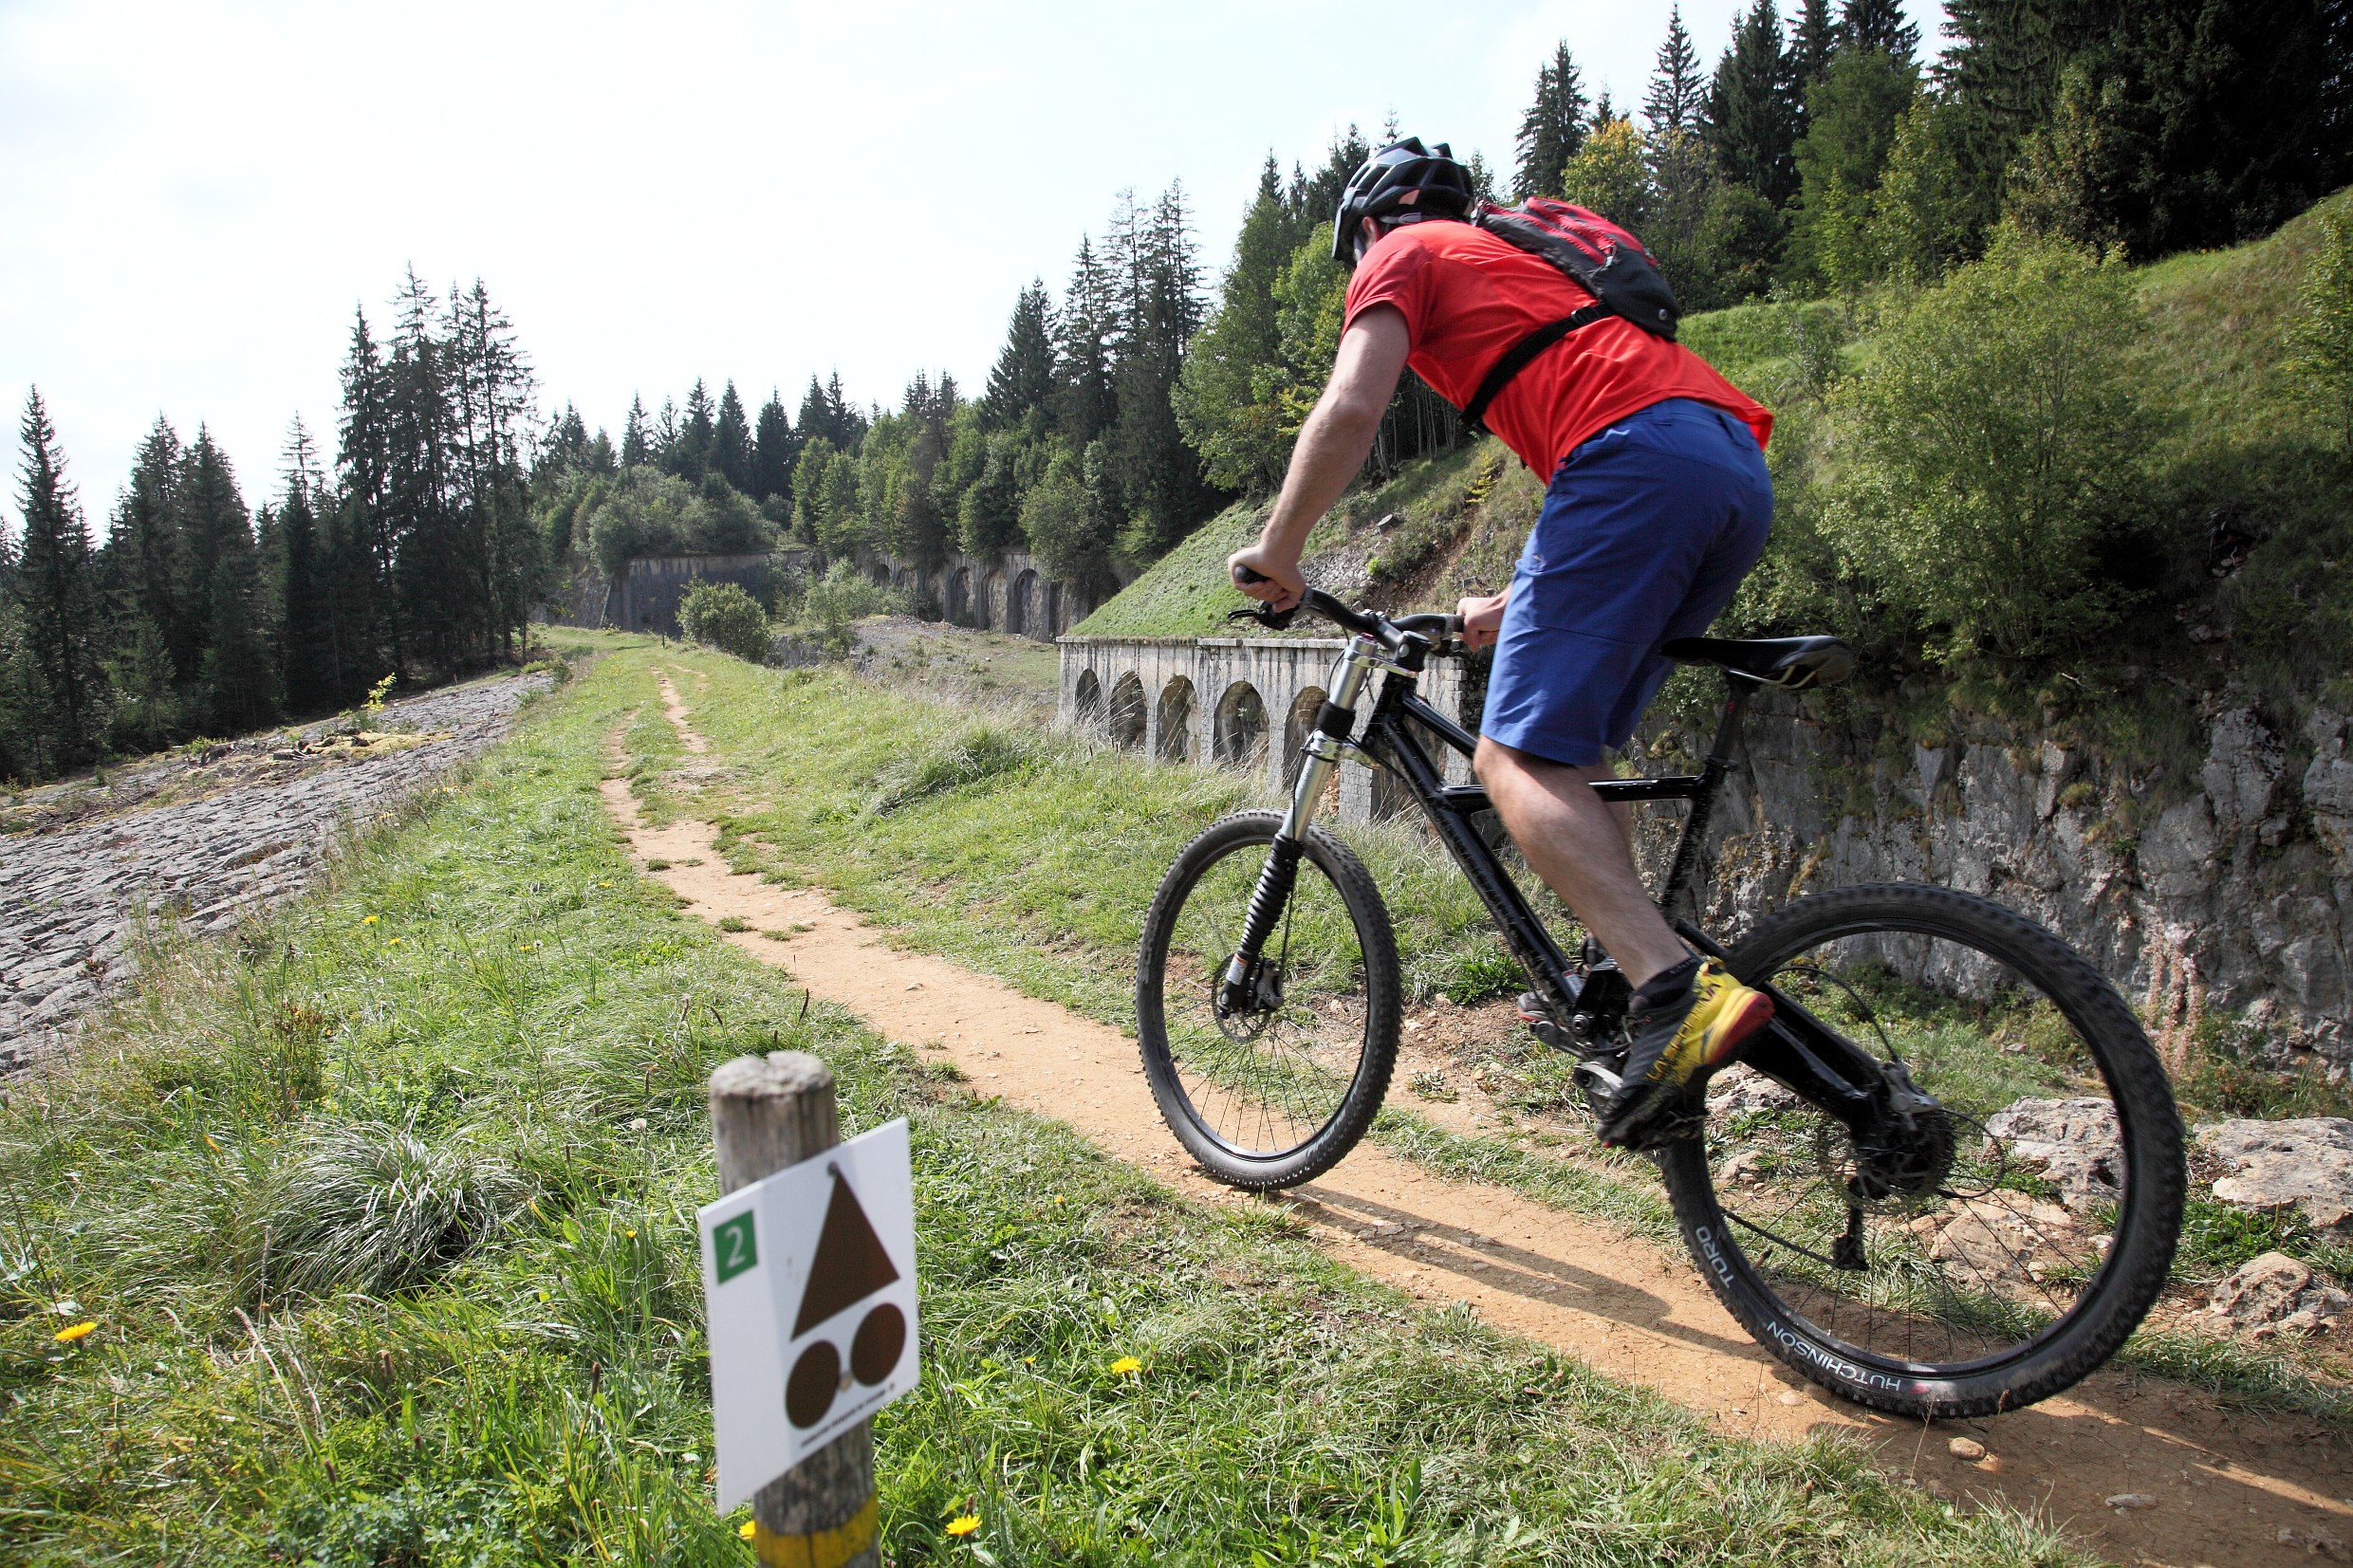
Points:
(2229, 1487)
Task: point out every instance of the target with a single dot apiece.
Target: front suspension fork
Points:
(1248, 983)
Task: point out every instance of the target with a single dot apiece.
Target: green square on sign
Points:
(734, 1246)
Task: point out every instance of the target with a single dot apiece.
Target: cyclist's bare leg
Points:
(1578, 844)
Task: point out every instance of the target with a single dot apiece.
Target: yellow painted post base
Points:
(825, 1548)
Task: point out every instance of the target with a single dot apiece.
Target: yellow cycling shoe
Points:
(1675, 1042)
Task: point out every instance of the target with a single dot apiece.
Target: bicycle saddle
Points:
(1792, 663)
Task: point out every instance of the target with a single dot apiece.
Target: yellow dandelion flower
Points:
(368, 920)
(631, 1234)
(1124, 1365)
(67, 1336)
(963, 1525)
(746, 1529)
(394, 943)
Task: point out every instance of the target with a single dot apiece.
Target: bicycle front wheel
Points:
(1274, 1094)
(1990, 1246)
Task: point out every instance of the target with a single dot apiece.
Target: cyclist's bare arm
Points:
(1332, 447)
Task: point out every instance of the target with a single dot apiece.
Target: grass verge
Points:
(296, 1356)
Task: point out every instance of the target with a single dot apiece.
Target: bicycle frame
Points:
(1796, 1049)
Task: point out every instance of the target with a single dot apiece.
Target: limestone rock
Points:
(2275, 1293)
(2307, 1162)
(1739, 1091)
(2073, 1144)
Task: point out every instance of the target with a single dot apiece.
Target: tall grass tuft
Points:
(378, 1209)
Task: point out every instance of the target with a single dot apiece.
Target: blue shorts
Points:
(1647, 530)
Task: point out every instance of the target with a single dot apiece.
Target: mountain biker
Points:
(1657, 507)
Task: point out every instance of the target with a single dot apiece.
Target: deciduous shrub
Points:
(1990, 452)
(842, 597)
(722, 616)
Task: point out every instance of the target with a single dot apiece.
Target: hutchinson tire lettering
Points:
(1798, 1344)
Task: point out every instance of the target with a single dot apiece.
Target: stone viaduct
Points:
(1245, 703)
(1012, 593)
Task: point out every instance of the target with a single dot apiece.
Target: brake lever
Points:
(1266, 615)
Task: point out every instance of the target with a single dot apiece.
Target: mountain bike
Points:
(1945, 1180)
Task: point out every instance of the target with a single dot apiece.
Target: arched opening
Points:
(1297, 725)
(1241, 735)
(1090, 700)
(881, 573)
(1124, 726)
(985, 612)
(1054, 625)
(1020, 605)
(1176, 716)
(960, 596)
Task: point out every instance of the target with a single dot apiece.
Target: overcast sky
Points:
(193, 196)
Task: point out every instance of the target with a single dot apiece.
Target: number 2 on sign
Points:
(735, 1248)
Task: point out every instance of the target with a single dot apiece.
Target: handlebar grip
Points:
(1244, 576)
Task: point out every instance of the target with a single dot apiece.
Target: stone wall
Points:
(1237, 702)
(2231, 895)
(645, 598)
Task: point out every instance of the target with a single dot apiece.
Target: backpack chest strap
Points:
(1520, 356)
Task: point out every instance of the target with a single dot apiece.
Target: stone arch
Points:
(960, 596)
(1123, 724)
(1297, 725)
(985, 604)
(1176, 716)
(1090, 700)
(1021, 605)
(1241, 726)
(1054, 625)
(880, 574)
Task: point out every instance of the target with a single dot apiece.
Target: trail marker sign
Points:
(809, 1280)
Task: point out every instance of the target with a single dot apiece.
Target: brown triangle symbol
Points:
(850, 1263)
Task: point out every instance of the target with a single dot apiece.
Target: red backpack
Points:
(1604, 259)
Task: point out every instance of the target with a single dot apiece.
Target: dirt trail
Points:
(2224, 1488)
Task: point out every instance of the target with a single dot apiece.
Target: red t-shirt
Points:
(1468, 295)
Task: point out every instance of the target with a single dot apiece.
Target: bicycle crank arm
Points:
(1810, 1059)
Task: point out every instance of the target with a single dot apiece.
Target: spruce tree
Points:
(306, 637)
(142, 549)
(1553, 129)
(731, 441)
(63, 689)
(774, 449)
(222, 590)
(1811, 43)
(364, 460)
(636, 446)
(1085, 329)
(1752, 107)
(1677, 91)
(1878, 25)
(819, 422)
(1022, 378)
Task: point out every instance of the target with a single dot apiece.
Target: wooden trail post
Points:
(767, 1113)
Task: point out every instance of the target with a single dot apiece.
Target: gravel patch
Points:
(207, 839)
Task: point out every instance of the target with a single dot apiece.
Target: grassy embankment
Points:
(1032, 856)
(503, 1363)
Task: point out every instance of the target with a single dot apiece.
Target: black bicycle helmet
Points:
(1404, 182)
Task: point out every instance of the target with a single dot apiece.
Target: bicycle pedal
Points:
(1548, 1032)
(1601, 1085)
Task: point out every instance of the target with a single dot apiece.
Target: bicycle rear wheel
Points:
(1996, 1246)
(1276, 1094)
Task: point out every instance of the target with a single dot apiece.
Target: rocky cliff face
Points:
(2236, 897)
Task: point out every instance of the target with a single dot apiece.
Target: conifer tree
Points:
(143, 552)
(221, 591)
(1677, 91)
(637, 445)
(1752, 107)
(774, 449)
(731, 441)
(1878, 25)
(1553, 129)
(63, 689)
(306, 640)
(1022, 378)
(1811, 43)
(1085, 329)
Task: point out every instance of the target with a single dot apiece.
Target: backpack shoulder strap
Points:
(1520, 356)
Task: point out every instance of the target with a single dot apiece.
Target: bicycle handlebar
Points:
(1443, 634)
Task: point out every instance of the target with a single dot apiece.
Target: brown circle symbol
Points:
(881, 1334)
(816, 1378)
